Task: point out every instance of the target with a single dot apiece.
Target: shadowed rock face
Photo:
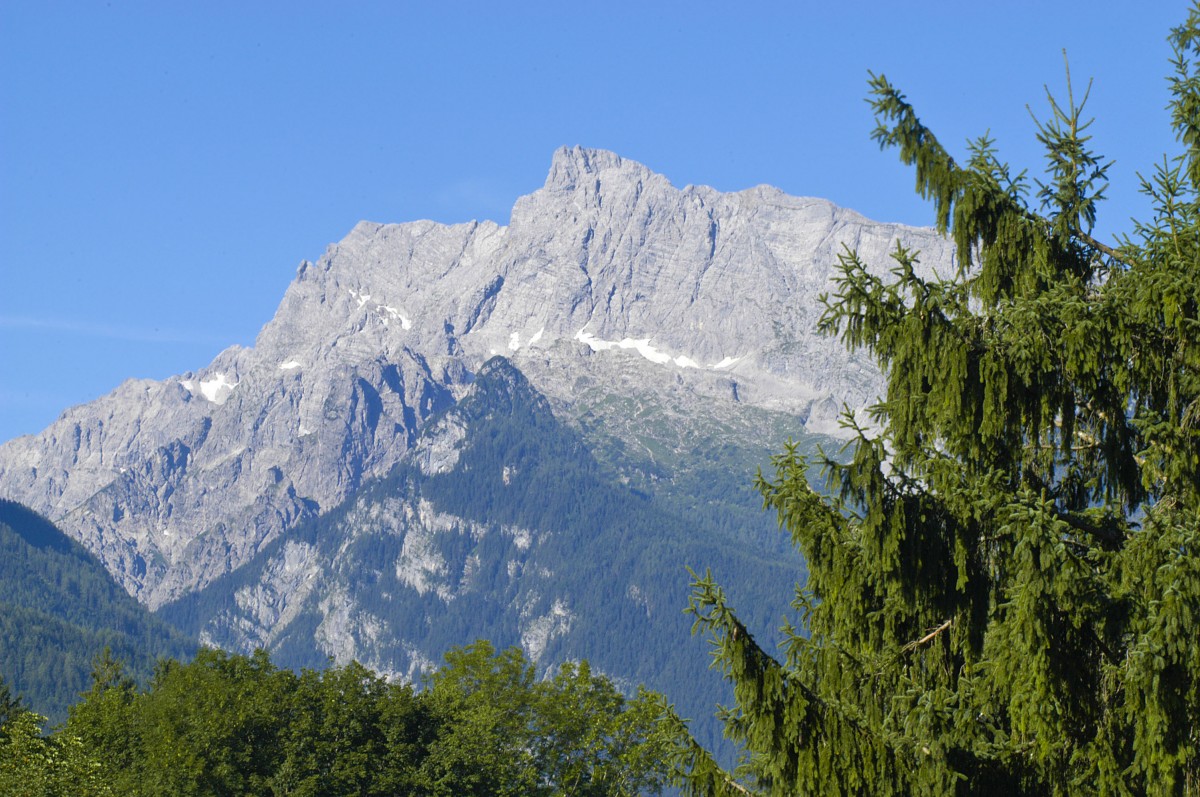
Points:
(607, 282)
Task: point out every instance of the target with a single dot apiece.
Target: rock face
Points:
(607, 283)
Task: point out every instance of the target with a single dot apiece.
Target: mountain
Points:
(669, 333)
(59, 609)
(498, 523)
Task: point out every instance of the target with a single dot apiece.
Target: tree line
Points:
(228, 724)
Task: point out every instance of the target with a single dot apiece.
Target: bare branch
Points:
(928, 637)
(1108, 250)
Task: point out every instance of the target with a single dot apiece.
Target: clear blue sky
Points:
(164, 166)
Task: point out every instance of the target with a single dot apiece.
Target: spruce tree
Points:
(1004, 575)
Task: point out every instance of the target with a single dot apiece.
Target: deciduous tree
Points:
(59, 766)
(503, 732)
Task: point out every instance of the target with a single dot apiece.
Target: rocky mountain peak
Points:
(607, 280)
(570, 166)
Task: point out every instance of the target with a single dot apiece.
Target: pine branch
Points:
(695, 770)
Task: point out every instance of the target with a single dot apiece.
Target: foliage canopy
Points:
(226, 724)
(1004, 588)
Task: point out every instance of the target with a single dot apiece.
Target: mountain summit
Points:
(616, 294)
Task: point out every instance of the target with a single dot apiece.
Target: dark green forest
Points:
(59, 608)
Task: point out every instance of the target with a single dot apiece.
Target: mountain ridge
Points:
(606, 280)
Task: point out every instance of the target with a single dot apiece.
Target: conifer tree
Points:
(10, 704)
(1004, 579)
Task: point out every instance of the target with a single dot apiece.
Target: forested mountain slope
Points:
(59, 609)
(498, 524)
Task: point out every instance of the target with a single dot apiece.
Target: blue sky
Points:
(164, 166)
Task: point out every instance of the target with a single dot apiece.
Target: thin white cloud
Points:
(105, 330)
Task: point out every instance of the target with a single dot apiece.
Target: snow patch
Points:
(728, 361)
(385, 311)
(289, 365)
(216, 390)
(643, 347)
(514, 340)
(405, 321)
